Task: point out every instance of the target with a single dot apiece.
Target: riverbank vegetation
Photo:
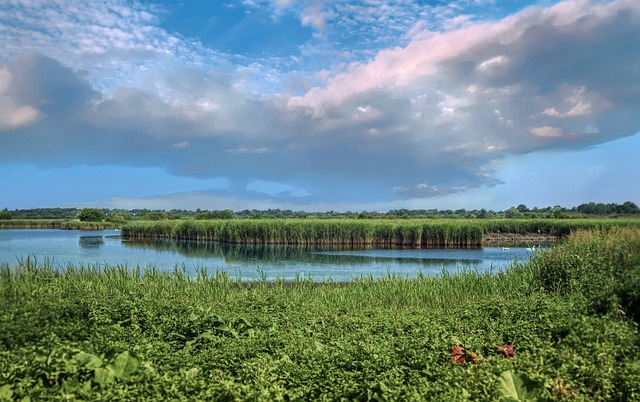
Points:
(357, 232)
(65, 224)
(521, 211)
(563, 326)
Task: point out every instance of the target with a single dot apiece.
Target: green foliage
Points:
(628, 208)
(157, 216)
(593, 208)
(53, 224)
(600, 265)
(520, 387)
(225, 214)
(380, 232)
(5, 214)
(123, 366)
(119, 333)
(45, 213)
(415, 233)
(120, 217)
(91, 215)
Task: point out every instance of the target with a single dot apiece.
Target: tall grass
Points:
(30, 279)
(601, 265)
(412, 233)
(315, 232)
(54, 224)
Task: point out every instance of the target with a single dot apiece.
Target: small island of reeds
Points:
(459, 233)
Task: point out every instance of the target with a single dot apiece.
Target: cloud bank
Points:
(428, 119)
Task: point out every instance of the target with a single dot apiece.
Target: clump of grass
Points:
(602, 265)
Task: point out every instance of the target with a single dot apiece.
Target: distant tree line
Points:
(518, 212)
(604, 209)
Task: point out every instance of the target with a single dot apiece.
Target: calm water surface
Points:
(61, 248)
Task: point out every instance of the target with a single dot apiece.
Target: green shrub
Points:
(5, 215)
(91, 215)
(601, 265)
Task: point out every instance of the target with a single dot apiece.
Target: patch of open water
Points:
(62, 248)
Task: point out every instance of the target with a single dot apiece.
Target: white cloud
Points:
(425, 119)
(13, 115)
(116, 42)
(580, 109)
(494, 62)
(261, 150)
(181, 145)
(548, 132)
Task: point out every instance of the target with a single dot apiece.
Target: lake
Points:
(62, 248)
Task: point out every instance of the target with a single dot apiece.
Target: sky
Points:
(318, 105)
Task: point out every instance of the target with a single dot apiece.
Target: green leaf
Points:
(5, 392)
(87, 360)
(125, 365)
(207, 335)
(104, 376)
(519, 387)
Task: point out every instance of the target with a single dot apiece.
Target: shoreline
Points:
(512, 239)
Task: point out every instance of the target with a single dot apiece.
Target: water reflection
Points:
(255, 254)
(248, 262)
(91, 242)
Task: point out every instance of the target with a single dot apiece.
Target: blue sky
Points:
(319, 104)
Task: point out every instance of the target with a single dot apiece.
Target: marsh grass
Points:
(214, 337)
(356, 232)
(65, 224)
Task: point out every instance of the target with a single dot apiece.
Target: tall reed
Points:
(354, 232)
(54, 224)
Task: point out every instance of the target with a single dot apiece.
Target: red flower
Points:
(506, 350)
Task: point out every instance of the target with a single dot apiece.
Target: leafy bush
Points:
(91, 215)
(600, 265)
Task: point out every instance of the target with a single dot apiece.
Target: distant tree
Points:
(629, 208)
(91, 215)
(522, 208)
(45, 213)
(225, 214)
(365, 215)
(120, 217)
(559, 212)
(5, 214)
(512, 213)
(157, 216)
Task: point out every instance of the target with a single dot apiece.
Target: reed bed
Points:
(553, 227)
(353, 232)
(64, 224)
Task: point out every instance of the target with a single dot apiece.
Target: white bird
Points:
(505, 248)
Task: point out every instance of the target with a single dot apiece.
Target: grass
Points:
(66, 224)
(115, 333)
(357, 232)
